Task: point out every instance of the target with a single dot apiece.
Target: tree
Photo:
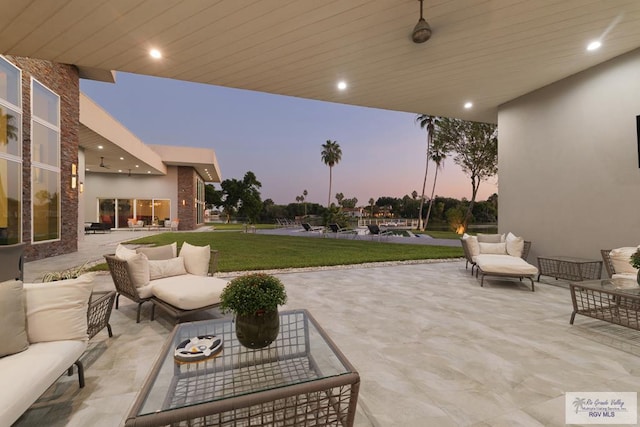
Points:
(437, 156)
(430, 124)
(242, 197)
(212, 197)
(7, 130)
(339, 198)
(476, 151)
(414, 194)
(371, 202)
(304, 197)
(331, 156)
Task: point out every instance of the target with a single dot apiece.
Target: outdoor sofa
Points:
(43, 334)
(180, 284)
(617, 262)
(498, 255)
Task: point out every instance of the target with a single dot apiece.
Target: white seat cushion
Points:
(505, 264)
(621, 259)
(28, 374)
(189, 291)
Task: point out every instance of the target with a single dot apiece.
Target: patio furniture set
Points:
(45, 329)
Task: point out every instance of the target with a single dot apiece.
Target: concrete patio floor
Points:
(432, 348)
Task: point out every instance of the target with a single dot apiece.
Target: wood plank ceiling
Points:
(484, 51)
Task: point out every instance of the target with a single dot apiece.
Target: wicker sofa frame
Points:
(124, 286)
(608, 263)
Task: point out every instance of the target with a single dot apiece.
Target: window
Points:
(10, 153)
(45, 163)
(200, 201)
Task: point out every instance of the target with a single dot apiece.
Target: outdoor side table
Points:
(569, 268)
(300, 379)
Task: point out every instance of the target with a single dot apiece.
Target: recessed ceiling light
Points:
(342, 85)
(148, 171)
(119, 170)
(468, 105)
(155, 53)
(99, 147)
(594, 45)
(137, 166)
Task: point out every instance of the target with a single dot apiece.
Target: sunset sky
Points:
(279, 138)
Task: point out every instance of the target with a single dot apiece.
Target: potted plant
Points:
(254, 299)
(635, 262)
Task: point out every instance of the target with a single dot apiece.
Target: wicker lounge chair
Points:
(506, 266)
(124, 286)
(374, 230)
(309, 227)
(338, 231)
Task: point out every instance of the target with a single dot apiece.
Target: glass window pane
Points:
(10, 135)
(144, 211)
(161, 211)
(9, 82)
(46, 205)
(125, 211)
(45, 145)
(107, 211)
(10, 202)
(45, 104)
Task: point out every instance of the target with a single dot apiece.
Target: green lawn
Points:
(242, 252)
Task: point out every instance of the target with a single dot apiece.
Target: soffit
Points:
(486, 51)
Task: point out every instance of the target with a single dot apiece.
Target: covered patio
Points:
(432, 348)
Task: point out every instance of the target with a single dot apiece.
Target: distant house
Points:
(353, 212)
(65, 161)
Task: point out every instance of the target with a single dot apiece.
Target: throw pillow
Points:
(138, 269)
(490, 238)
(515, 245)
(160, 252)
(493, 248)
(13, 322)
(196, 259)
(57, 311)
(621, 259)
(123, 252)
(166, 268)
(472, 244)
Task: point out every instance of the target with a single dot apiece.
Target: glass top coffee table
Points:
(612, 300)
(300, 379)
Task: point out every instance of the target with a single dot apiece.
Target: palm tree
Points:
(429, 123)
(371, 202)
(437, 156)
(7, 130)
(331, 156)
(304, 198)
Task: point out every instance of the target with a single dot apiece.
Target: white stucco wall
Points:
(105, 186)
(568, 162)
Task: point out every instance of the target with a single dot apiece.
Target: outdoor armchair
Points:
(11, 260)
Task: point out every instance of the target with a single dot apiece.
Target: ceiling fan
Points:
(422, 31)
(102, 165)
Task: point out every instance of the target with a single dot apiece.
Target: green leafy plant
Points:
(69, 273)
(635, 259)
(253, 293)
